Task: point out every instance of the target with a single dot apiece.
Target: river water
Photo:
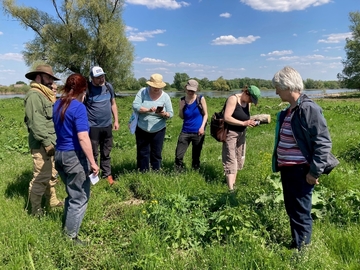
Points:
(221, 94)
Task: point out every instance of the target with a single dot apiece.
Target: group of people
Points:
(64, 137)
(73, 127)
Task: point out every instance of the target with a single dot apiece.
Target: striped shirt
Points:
(288, 151)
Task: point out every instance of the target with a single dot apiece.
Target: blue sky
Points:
(213, 38)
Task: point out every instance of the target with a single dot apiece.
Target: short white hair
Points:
(288, 79)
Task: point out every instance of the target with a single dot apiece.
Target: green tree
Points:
(142, 81)
(220, 85)
(331, 85)
(20, 82)
(205, 83)
(180, 80)
(350, 76)
(80, 35)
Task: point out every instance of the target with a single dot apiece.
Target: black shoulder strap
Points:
(198, 98)
(110, 89)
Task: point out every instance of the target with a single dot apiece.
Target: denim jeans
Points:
(102, 136)
(182, 145)
(149, 147)
(297, 199)
(73, 169)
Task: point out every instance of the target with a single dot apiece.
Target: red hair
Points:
(76, 84)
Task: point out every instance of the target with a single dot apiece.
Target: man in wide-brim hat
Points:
(42, 139)
(45, 74)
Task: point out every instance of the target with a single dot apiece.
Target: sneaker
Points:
(110, 180)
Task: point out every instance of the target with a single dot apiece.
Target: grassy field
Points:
(187, 220)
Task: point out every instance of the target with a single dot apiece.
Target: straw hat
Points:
(156, 80)
(41, 69)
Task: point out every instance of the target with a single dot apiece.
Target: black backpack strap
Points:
(110, 89)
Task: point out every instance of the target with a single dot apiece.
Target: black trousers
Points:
(149, 147)
(183, 143)
(102, 136)
(297, 199)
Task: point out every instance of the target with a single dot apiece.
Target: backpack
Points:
(108, 88)
(218, 126)
(198, 104)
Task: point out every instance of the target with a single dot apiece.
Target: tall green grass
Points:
(188, 220)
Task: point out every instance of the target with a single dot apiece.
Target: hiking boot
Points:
(110, 180)
(77, 242)
(59, 204)
(51, 198)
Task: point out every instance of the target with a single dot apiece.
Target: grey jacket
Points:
(311, 134)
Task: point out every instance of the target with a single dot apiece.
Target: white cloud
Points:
(231, 40)
(9, 71)
(130, 29)
(235, 69)
(148, 60)
(157, 68)
(283, 5)
(287, 58)
(153, 4)
(294, 35)
(335, 38)
(278, 53)
(313, 57)
(143, 36)
(12, 56)
(225, 15)
(193, 65)
(1, 33)
(161, 44)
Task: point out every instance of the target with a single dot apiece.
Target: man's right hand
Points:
(50, 150)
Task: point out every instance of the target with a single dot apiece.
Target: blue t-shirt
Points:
(75, 121)
(98, 105)
(192, 118)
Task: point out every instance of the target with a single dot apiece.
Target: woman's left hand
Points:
(201, 131)
(311, 179)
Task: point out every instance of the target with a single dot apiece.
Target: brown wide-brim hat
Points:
(41, 69)
(156, 80)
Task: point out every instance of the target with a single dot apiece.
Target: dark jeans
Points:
(297, 198)
(149, 147)
(73, 169)
(182, 145)
(102, 136)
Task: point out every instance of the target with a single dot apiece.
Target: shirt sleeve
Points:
(81, 119)
(168, 106)
(139, 99)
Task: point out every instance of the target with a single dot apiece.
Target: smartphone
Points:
(159, 109)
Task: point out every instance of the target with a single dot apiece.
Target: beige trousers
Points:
(44, 179)
(233, 152)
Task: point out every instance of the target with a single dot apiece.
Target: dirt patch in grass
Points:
(133, 201)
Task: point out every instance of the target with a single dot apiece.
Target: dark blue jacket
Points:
(311, 134)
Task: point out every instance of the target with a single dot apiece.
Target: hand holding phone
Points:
(159, 109)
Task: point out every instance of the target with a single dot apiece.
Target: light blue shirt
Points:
(150, 121)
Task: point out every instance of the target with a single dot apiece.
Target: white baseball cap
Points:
(96, 71)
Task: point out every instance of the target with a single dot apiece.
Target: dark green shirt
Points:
(38, 118)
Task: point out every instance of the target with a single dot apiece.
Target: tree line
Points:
(180, 80)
